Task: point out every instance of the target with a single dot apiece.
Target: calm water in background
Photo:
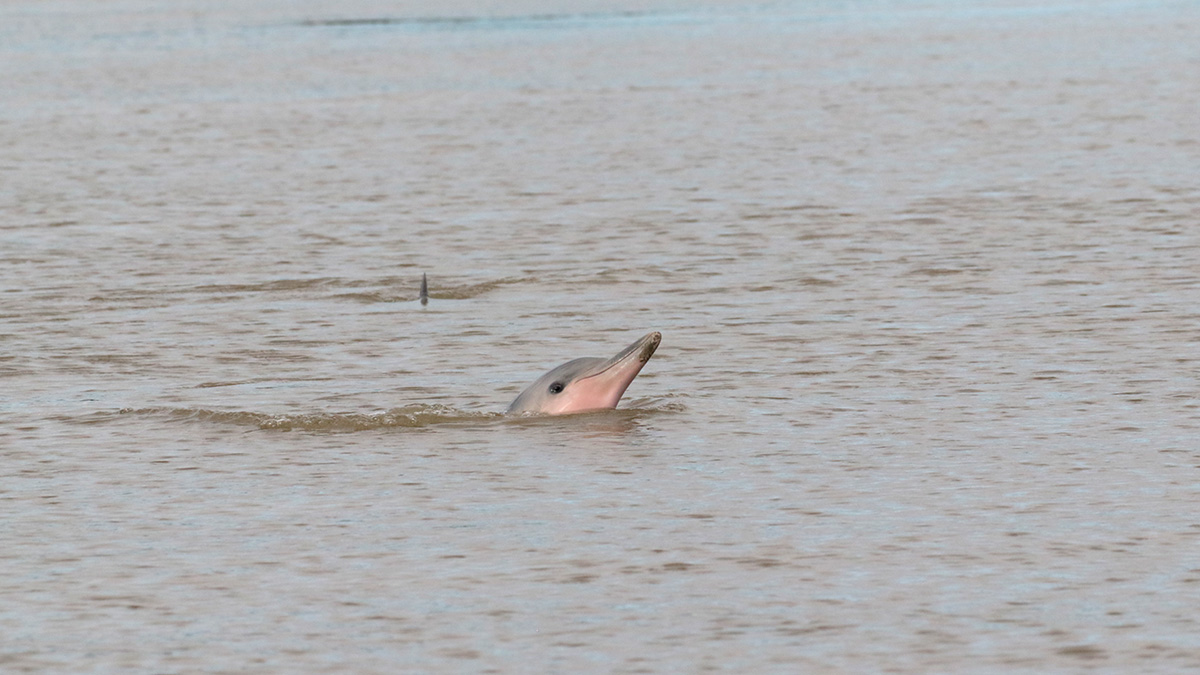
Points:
(927, 275)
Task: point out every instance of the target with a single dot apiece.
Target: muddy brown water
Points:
(927, 275)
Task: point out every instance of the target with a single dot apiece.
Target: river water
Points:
(927, 274)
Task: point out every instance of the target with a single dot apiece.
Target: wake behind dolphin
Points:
(576, 386)
(588, 383)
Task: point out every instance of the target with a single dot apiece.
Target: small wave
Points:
(367, 291)
(437, 291)
(517, 21)
(270, 286)
(410, 416)
(413, 416)
(665, 403)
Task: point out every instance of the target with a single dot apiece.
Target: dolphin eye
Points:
(556, 388)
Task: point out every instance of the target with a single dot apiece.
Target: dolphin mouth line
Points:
(643, 348)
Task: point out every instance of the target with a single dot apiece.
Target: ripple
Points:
(413, 416)
(409, 416)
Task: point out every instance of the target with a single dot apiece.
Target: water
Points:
(926, 274)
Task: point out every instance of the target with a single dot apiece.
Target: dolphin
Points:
(586, 384)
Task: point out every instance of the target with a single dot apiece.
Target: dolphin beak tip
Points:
(652, 341)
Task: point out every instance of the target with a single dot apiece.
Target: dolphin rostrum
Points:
(587, 383)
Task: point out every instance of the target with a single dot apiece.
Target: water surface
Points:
(926, 274)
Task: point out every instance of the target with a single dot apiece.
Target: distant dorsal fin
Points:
(424, 290)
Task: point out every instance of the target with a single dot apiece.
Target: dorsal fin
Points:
(424, 290)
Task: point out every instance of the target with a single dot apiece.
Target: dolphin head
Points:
(587, 383)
